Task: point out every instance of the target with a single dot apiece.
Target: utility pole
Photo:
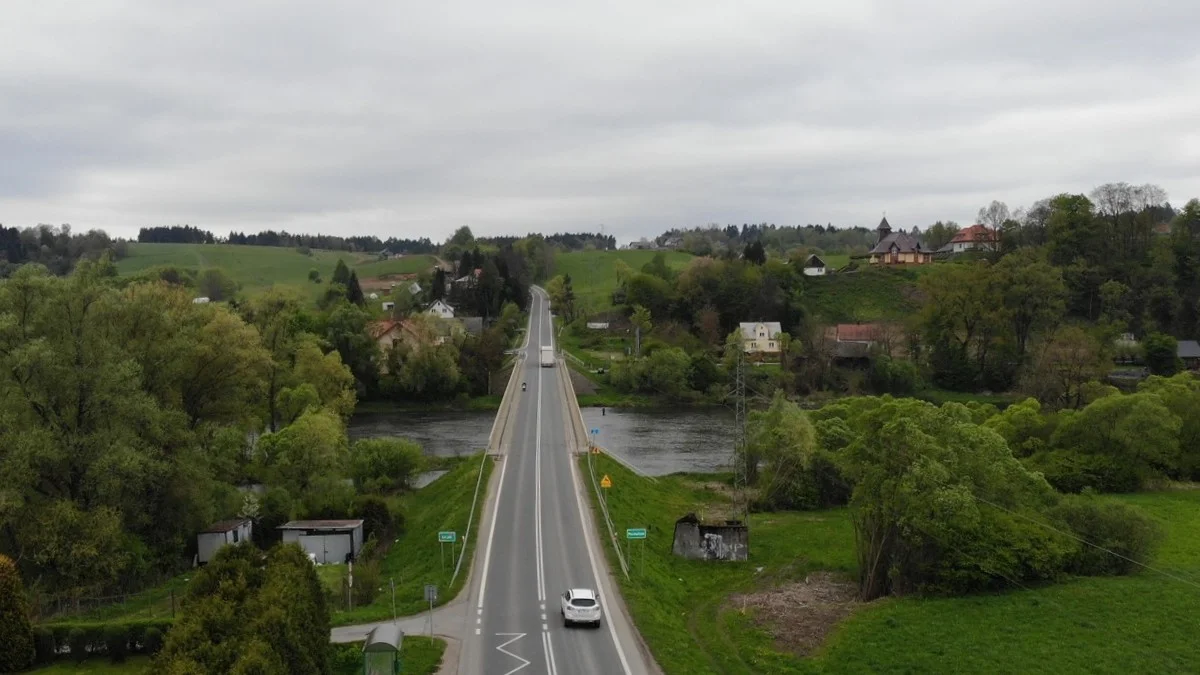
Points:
(741, 469)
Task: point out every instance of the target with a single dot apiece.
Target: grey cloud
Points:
(511, 117)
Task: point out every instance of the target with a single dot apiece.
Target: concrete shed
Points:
(331, 541)
(219, 534)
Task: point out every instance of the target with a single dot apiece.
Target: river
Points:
(658, 441)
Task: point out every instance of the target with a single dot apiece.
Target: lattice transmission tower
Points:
(741, 474)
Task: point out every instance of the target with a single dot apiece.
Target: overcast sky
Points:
(413, 118)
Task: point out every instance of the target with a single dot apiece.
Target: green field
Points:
(257, 268)
(868, 294)
(416, 558)
(594, 273)
(1143, 623)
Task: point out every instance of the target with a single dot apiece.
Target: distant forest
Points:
(55, 247)
(186, 234)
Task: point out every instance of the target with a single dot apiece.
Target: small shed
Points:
(1189, 352)
(219, 534)
(331, 541)
(814, 266)
(381, 651)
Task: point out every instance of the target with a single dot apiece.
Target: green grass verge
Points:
(594, 273)
(415, 560)
(258, 268)
(869, 294)
(153, 603)
(95, 666)
(473, 403)
(419, 656)
(1143, 623)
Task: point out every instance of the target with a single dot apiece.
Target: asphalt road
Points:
(535, 546)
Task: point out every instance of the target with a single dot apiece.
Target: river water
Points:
(658, 441)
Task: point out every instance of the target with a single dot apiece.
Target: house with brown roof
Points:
(897, 248)
(973, 238)
(854, 341)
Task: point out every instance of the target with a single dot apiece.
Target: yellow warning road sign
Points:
(595, 449)
(606, 482)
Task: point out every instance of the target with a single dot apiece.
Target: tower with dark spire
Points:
(884, 229)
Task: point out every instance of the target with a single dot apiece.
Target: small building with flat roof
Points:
(329, 541)
(219, 534)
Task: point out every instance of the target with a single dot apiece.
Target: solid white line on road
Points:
(587, 540)
(487, 557)
(551, 666)
(477, 631)
(501, 648)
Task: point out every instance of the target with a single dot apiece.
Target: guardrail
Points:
(581, 441)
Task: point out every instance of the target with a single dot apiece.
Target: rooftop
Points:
(320, 525)
(1188, 349)
(225, 525)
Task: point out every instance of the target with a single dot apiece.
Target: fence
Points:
(155, 603)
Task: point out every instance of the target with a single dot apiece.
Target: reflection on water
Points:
(660, 441)
(444, 433)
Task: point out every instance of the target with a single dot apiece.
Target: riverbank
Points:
(791, 608)
(461, 404)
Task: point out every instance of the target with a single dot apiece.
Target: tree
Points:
(1032, 292)
(798, 474)
(16, 633)
(346, 330)
(246, 612)
(330, 381)
(310, 451)
(994, 215)
(341, 274)
(755, 253)
(651, 292)
(1161, 354)
(939, 234)
(354, 292)
(1065, 363)
(384, 465)
(214, 284)
(314, 275)
(932, 502)
(221, 368)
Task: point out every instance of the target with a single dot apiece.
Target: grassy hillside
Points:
(257, 268)
(757, 617)
(868, 294)
(594, 273)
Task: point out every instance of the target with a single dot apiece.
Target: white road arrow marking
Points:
(501, 648)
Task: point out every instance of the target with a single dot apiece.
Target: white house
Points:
(389, 306)
(220, 534)
(973, 238)
(814, 266)
(441, 310)
(329, 541)
(761, 337)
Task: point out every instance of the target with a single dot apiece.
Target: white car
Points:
(580, 605)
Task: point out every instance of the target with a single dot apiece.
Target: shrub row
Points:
(115, 639)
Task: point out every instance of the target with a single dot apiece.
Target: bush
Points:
(152, 641)
(376, 516)
(16, 634)
(78, 643)
(116, 642)
(1073, 472)
(366, 582)
(1120, 528)
(888, 376)
(43, 643)
(385, 464)
(1002, 550)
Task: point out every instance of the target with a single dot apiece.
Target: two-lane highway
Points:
(536, 546)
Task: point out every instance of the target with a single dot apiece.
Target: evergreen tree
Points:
(354, 292)
(341, 273)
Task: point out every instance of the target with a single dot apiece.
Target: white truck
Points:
(547, 356)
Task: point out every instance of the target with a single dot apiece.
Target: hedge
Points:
(114, 639)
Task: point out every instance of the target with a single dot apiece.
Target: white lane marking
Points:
(501, 648)
(551, 666)
(587, 540)
(487, 557)
(477, 631)
(537, 482)
(543, 617)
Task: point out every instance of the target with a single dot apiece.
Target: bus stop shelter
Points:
(381, 651)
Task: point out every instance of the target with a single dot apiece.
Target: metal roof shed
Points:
(381, 651)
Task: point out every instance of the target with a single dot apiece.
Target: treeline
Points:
(714, 240)
(940, 502)
(57, 249)
(176, 234)
(327, 242)
(129, 416)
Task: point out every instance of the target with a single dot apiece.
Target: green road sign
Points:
(447, 537)
(635, 533)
